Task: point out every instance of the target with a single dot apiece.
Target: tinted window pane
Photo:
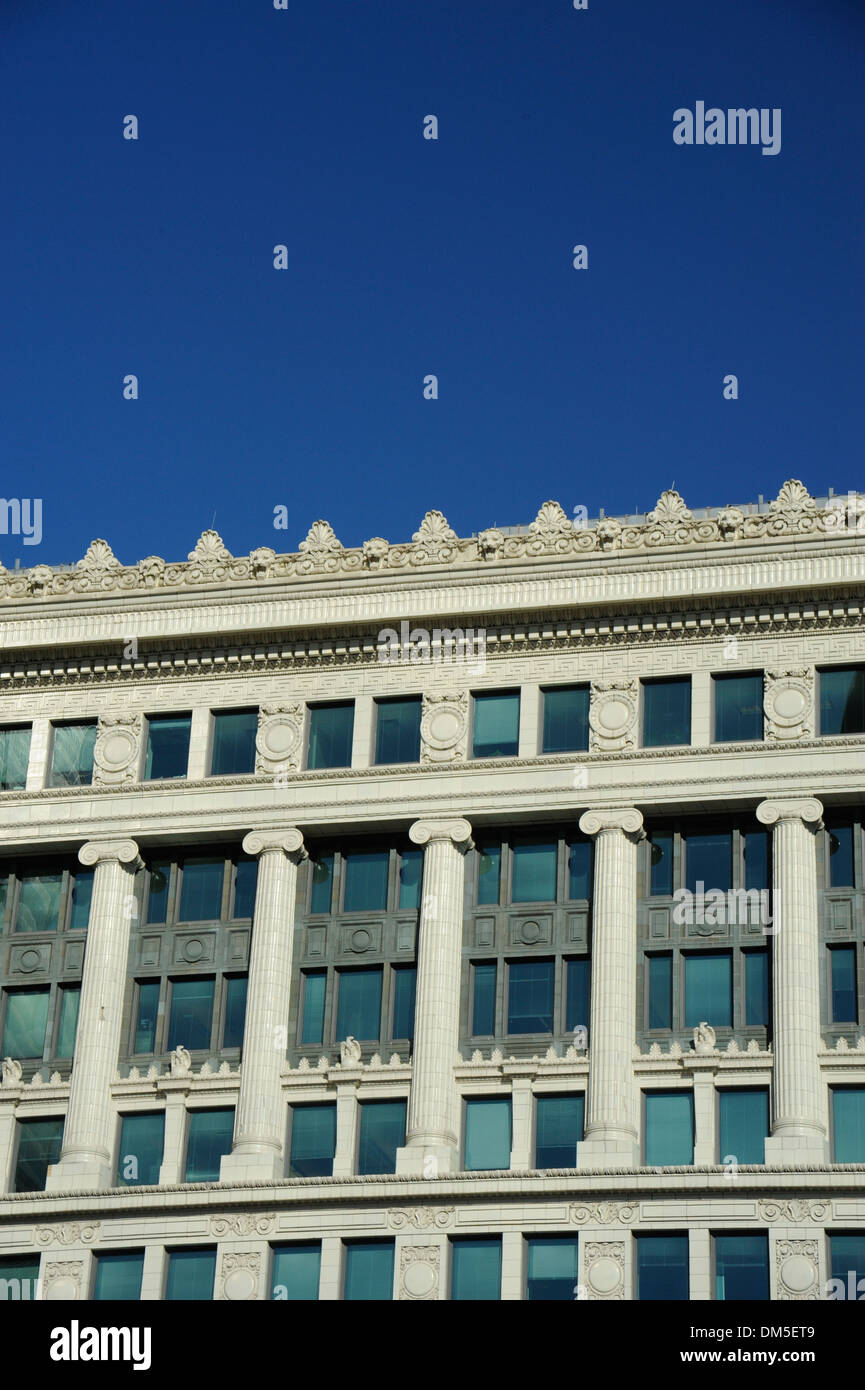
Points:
(666, 713)
(142, 1140)
(322, 884)
(580, 869)
(842, 701)
(39, 1144)
(757, 988)
(369, 1271)
(410, 874)
(235, 1010)
(296, 1272)
(382, 1132)
(488, 1134)
(71, 998)
(552, 1269)
(566, 720)
(841, 856)
(191, 1014)
(848, 1108)
(404, 989)
(25, 1023)
(738, 708)
(577, 997)
(534, 875)
(709, 989)
(72, 755)
(313, 1141)
(709, 863)
(661, 992)
(744, 1117)
(847, 1256)
(14, 757)
(359, 1004)
(662, 1268)
(159, 880)
(530, 996)
(118, 1278)
(661, 859)
(741, 1268)
(330, 735)
(167, 748)
(38, 902)
(201, 890)
(366, 882)
(190, 1275)
(245, 881)
(844, 1004)
(314, 985)
(398, 731)
(145, 1026)
(234, 743)
(82, 896)
(210, 1134)
(757, 859)
(484, 1003)
(559, 1128)
(669, 1128)
(18, 1279)
(489, 873)
(497, 726)
(477, 1271)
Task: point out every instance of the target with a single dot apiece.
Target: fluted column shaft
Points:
(611, 1134)
(798, 1106)
(88, 1137)
(432, 1141)
(260, 1119)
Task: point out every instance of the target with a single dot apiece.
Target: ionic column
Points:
(258, 1148)
(88, 1138)
(611, 1134)
(432, 1141)
(798, 1096)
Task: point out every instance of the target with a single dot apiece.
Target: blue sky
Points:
(304, 387)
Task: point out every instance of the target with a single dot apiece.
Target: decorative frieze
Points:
(243, 1223)
(604, 1213)
(420, 1218)
(68, 1233)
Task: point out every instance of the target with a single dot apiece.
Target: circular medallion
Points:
(62, 1291)
(798, 1273)
(115, 750)
(360, 940)
(605, 1275)
(419, 1280)
(530, 932)
(29, 960)
(239, 1286)
(193, 949)
(278, 739)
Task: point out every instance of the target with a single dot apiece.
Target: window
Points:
(190, 1275)
(201, 890)
(410, 878)
(842, 700)
(841, 873)
(39, 1144)
(146, 1016)
(142, 1141)
(552, 1269)
(24, 1023)
(845, 1007)
(580, 870)
(158, 883)
(489, 873)
(558, 1130)
(577, 997)
(234, 734)
(848, 1124)
(296, 1272)
(245, 884)
(321, 891)
(331, 728)
(82, 897)
(382, 1132)
(235, 1010)
(397, 736)
(404, 990)
(484, 1001)
(366, 881)
(566, 719)
(191, 1013)
(14, 757)
(709, 862)
(669, 1128)
(744, 1124)
(709, 989)
(742, 1268)
(210, 1135)
(70, 998)
(476, 1270)
(314, 988)
(756, 988)
(846, 1258)
(496, 725)
(118, 1277)
(530, 996)
(167, 746)
(661, 991)
(313, 1141)
(38, 902)
(72, 755)
(19, 1279)
(534, 873)
(666, 713)
(756, 850)
(738, 708)
(359, 1004)
(661, 860)
(488, 1135)
(368, 1270)
(662, 1268)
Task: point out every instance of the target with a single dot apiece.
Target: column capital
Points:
(804, 808)
(457, 830)
(624, 818)
(106, 851)
(288, 841)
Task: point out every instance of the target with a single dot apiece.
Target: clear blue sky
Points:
(303, 387)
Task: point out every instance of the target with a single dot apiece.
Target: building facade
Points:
(470, 918)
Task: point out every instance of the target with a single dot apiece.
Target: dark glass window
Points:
(145, 1024)
(72, 755)
(118, 1277)
(488, 1134)
(39, 1144)
(397, 737)
(159, 879)
(577, 993)
(19, 1277)
(661, 859)
(841, 856)
(530, 996)
(669, 1128)
(744, 1118)
(661, 991)
(662, 1268)
(210, 1135)
(201, 890)
(24, 1023)
(476, 1273)
(382, 1132)
(558, 1130)
(313, 1141)
(245, 884)
(848, 1115)
(847, 1257)
(709, 862)
(404, 990)
(235, 1010)
(296, 1273)
(322, 884)
(14, 757)
(167, 747)
(142, 1141)
(709, 989)
(190, 1276)
(234, 734)
(359, 1004)
(842, 700)
(534, 874)
(756, 989)
(368, 1271)
(552, 1269)
(314, 987)
(70, 1000)
(489, 873)
(742, 1268)
(566, 719)
(845, 1007)
(410, 876)
(484, 1002)
(666, 713)
(191, 1013)
(497, 725)
(366, 882)
(580, 869)
(38, 902)
(738, 708)
(757, 859)
(82, 896)
(331, 728)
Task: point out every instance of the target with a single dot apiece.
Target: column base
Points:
(428, 1160)
(607, 1151)
(797, 1149)
(260, 1165)
(85, 1174)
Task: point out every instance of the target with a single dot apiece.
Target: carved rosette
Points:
(420, 1218)
(795, 1211)
(444, 728)
(797, 1264)
(613, 715)
(67, 1233)
(61, 1281)
(279, 740)
(243, 1223)
(419, 1267)
(241, 1271)
(117, 751)
(604, 1213)
(604, 1270)
(788, 704)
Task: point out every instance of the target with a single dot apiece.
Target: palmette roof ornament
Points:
(551, 537)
